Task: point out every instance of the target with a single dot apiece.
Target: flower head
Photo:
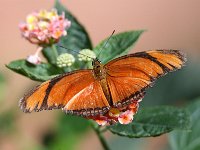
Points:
(123, 115)
(44, 27)
(65, 60)
(86, 55)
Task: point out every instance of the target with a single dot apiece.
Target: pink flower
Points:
(44, 27)
(126, 117)
(123, 115)
(35, 59)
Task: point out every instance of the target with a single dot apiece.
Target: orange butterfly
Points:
(92, 93)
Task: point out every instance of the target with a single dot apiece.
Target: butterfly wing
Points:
(128, 76)
(76, 92)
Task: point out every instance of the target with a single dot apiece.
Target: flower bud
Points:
(86, 55)
(65, 60)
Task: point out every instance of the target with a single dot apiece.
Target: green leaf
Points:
(188, 140)
(51, 53)
(77, 37)
(120, 44)
(153, 122)
(41, 72)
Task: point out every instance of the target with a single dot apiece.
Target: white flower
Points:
(34, 59)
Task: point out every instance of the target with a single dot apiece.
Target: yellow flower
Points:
(43, 24)
(114, 112)
(51, 14)
(31, 19)
(42, 13)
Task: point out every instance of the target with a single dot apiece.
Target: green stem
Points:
(55, 52)
(100, 135)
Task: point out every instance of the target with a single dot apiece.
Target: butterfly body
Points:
(93, 92)
(100, 74)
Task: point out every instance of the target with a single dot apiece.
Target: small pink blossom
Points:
(35, 59)
(126, 117)
(44, 27)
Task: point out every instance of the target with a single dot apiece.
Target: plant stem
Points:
(100, 136)
(54, 51)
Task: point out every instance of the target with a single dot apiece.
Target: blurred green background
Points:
(170, 24)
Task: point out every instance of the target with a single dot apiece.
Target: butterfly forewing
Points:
(171, 59)
(128, 76)
(65, 91)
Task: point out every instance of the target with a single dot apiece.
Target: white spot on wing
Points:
(87, 90)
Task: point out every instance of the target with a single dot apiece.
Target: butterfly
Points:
(93, 92)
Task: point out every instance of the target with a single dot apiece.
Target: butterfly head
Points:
(97, 68)
(96, 62)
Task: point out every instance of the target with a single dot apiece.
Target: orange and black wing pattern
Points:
(81, 93)
(128, 76)
(76, 92)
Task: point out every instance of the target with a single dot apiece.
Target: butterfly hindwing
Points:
(128, 76)
(90, 101)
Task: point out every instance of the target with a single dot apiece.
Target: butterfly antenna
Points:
(74, 51)
(100, 50)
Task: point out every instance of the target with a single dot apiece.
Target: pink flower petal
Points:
(125, 117)
(34, 59)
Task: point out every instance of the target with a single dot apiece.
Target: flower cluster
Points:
(65, 60)
(122, 115)
(86, 55)
(44, 27)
